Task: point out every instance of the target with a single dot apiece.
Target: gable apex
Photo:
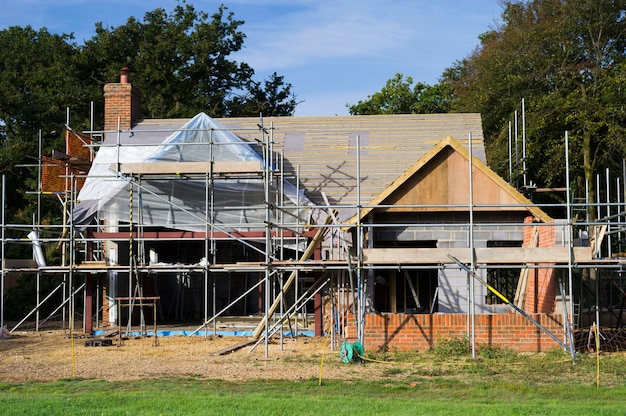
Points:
(441, 179)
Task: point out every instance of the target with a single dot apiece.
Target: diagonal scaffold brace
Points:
(511, 304)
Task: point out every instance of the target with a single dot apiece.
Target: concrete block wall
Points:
(405, 332)
(450, 230)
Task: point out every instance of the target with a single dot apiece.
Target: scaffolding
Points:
(299, 257)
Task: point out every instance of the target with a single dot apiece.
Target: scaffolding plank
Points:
(19, 263)
(187, 168)
(493, 255)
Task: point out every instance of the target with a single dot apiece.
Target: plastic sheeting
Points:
(238, 204)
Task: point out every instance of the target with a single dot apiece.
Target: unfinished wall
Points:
(421, 332)
(450, 230)
(543, 282)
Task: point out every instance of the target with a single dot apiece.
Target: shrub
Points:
(451, 347)
(495, 352)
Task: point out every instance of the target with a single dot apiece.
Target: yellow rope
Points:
(323, 353)
(72, 343)
(375, 361)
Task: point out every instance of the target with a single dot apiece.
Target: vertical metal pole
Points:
(64, 304)
(3, 256)
(597, 280)
(281, 202)
(37, 298)
(268, 240)
(472, 286)
(206, 251)
(608, 213)
(71, 257)
(510, 155)
(524, 143)
(621, 208)
(297, 279)
(570, 279)
(516, 152)
(213, 250)
(38, 223)
(207, 241)
(359, 240)
(98, 289)
(618, 197)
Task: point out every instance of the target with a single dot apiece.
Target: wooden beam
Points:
(496, 255)
(187, 168)
(319, 235)
(234, 348)
(118, 235)
(19, 263)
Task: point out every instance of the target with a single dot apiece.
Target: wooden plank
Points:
(187, 168)
(19, 263)
(415, 298)
(522, 284)
(496, 255)
(317, 239)
(597, 235)
(234, 348)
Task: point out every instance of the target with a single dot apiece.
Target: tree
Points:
(38, 82)
(567, 59)
(182, 62)
(274, 99)
(399, 96)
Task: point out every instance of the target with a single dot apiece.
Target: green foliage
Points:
(399, 96)
(496, 352)
(446, 348)
(567, 59)
(39, 81)
(20, 300)
(182, 62)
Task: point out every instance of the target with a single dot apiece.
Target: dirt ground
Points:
(53, 355)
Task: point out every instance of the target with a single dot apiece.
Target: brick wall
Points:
(121, 101)
(542, 283)
(420, 332)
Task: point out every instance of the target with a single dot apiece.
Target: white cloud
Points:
(324, 30)
(333, 52)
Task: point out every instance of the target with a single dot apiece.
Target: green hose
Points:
(349, 353)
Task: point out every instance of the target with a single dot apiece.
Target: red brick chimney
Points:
(121, 101)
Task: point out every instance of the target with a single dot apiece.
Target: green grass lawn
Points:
(445, 381)
(211, 397)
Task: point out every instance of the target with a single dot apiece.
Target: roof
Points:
(325, 148)
(322, 153)
(441, 177)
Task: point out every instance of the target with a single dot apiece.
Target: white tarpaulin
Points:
(238, 204)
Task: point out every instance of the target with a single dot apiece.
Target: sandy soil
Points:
(51, 355)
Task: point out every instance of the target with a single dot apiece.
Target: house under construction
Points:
(391, 230)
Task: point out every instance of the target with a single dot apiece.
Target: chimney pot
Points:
(125, 75)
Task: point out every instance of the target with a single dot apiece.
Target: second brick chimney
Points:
(123, 102)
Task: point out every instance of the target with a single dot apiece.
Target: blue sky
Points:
(333, 52)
